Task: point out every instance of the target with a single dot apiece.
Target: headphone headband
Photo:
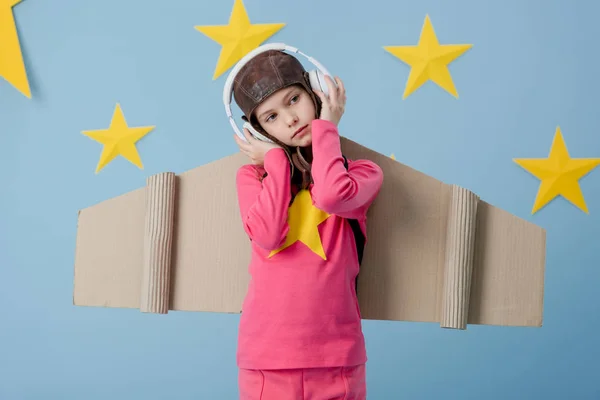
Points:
(228, 88)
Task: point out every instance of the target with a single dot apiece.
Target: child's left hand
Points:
(334, 104)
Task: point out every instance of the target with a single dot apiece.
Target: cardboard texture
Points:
(435, 251)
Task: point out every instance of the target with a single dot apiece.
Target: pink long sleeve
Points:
(301, 309)
(347, 193)
(264, 206)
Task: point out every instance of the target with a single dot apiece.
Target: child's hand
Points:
(333, 105)
(255, 149)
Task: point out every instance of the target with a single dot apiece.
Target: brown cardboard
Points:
(435, 251)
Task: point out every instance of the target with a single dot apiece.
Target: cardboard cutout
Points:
(12, 65)
(119, 139)
(238, 37)
(559, 174)
(429, 60)
(435, 252)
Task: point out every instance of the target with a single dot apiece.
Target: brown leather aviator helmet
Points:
(265, 74)
(262, 76)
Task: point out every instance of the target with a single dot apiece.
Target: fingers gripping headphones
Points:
(316, 80)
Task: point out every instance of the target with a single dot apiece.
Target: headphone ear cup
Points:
(255, 133)
(317, 81)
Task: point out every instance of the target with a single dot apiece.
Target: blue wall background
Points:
(533, 67)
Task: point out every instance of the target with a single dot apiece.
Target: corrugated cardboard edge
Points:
(458, 260)
(158, 243)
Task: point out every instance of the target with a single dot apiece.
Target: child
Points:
(300, 334)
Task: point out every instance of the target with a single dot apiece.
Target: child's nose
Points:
(292, 119)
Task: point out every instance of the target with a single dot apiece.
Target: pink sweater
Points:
(301, 310)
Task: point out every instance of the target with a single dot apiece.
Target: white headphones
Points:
(316, 79)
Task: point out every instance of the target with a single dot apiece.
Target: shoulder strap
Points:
(359, 237)
(358, 234)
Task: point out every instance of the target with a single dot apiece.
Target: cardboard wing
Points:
(435, 253)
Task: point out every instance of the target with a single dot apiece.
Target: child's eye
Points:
(269, 117)
(295, 98)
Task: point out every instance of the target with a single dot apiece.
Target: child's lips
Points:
(300, 130)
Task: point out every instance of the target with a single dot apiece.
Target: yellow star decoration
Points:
(12, 67)
(119, 139)
(429, 60)
(393, 157)
(303, 220)
(559, 174)
(237, 38)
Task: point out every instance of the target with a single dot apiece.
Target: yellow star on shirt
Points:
(559, 174)
(303, 220)
(12, 66)
(429, 60)
(119, 139)
(237, 38)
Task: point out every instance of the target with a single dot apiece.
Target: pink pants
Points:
(339, 383)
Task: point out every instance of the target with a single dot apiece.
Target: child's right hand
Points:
(255, 149)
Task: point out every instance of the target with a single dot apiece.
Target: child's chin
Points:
(304, 141)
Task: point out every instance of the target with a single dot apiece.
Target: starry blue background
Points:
(532, 68)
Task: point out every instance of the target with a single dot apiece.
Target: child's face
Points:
(287, 115)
